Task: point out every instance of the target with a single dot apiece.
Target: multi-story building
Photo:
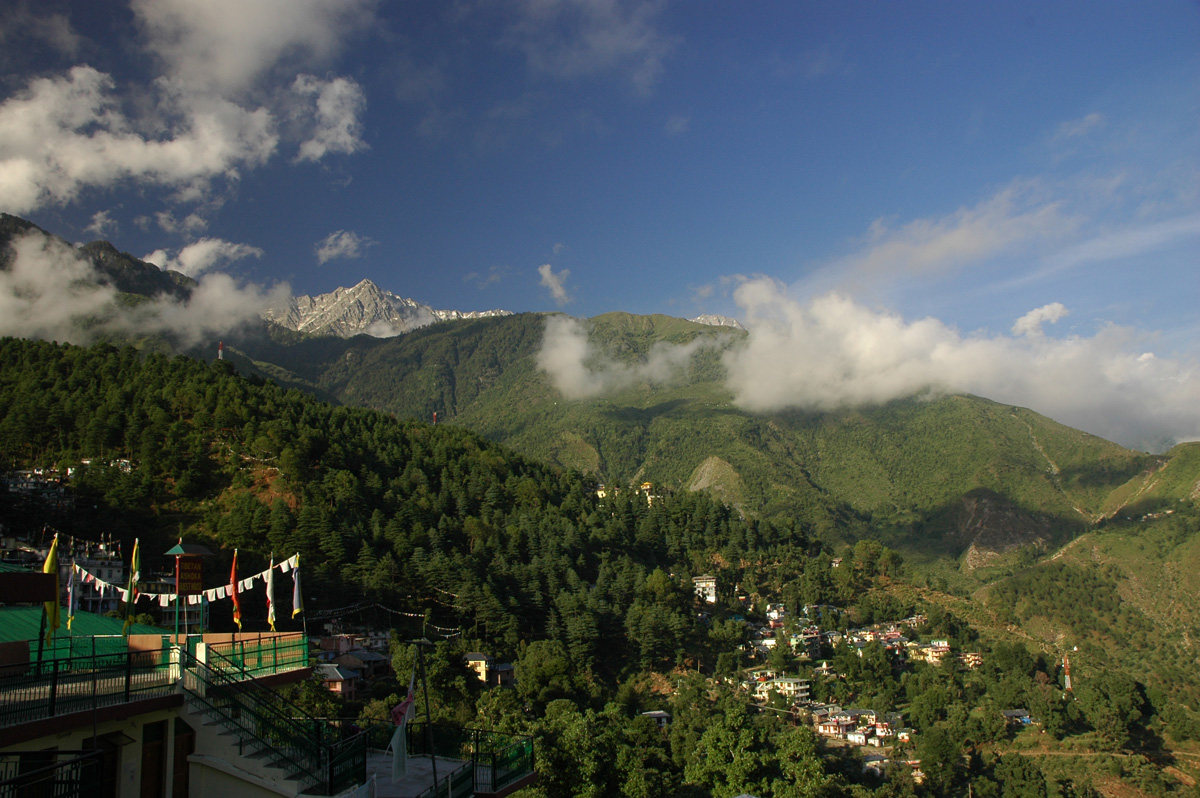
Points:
(706, 588)
(154, 715)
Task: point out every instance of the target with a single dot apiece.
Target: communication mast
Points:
(220, 350)
(1067, 672)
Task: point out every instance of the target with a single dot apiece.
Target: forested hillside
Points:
(397, 511)
(461, 539)
(938, 476)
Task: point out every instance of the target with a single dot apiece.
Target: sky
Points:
(997, 198)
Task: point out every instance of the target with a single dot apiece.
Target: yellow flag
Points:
(135, 574)
(52, 608)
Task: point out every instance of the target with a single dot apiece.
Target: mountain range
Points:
(367, 309)
(952, 476)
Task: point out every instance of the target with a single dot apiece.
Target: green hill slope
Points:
(945, 476)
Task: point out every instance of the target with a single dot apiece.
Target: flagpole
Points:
(428, 719)
(177, 594)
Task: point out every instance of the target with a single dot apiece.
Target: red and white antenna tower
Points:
(1067, 671)
(220, 350)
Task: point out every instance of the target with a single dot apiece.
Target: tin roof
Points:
(24, 623)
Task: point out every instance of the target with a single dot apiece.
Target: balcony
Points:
(125, 671)
(469, 762)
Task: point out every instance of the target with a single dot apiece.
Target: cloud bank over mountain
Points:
(51, 292)
(581, 371)
(831, 352)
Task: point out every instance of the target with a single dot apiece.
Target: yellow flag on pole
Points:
(52, 608)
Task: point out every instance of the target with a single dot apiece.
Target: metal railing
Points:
(49, 774)
(68, 647)
(105, 673)
(225, 685)
(498, 760)
(265, 655)
(57, 687)
(459, 783)
(267, 723)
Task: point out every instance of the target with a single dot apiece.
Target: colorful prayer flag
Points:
(71, 597)
(131, 594)
(297, 598)
(52, 608)
(271, 593)
(233, 593)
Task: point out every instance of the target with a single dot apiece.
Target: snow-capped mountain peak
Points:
(364, 308)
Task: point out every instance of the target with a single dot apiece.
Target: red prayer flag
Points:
(233, 592)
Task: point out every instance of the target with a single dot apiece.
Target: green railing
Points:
(57, 687)
(264, 655)
(49, 774)
(66, 647)
(459, 783)
(498, 760)
(267, 724)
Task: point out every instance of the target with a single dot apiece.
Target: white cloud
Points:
(556, 282)
(64, 134)
(49, 289)
(570, 39)
(337, 128)
(1075, 128)
(195, 124)
(1128, 242)
(101, 221)
(203, 255)
(579, 371)
(342, 245)
(1002, 222)
(190, 225)
(217, 304)
(19, 23)
(1031, 323)
(224, 46)
(832, 352)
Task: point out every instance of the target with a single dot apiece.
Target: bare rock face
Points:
(992, 527)
(363, 309)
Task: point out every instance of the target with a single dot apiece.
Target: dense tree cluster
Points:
(590, 596)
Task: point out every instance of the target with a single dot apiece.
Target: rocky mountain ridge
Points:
(364, 308)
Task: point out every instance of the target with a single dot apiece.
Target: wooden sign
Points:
(190, 576)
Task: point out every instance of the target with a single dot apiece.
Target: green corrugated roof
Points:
(23, 623)
(13, 568)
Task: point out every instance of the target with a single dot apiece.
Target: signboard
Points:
(189, 576)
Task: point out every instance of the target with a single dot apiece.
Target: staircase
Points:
(271, 738)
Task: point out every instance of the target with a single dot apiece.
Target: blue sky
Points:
(1021, 175)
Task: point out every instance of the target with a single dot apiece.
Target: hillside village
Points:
(347, 662)
(578, 616)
